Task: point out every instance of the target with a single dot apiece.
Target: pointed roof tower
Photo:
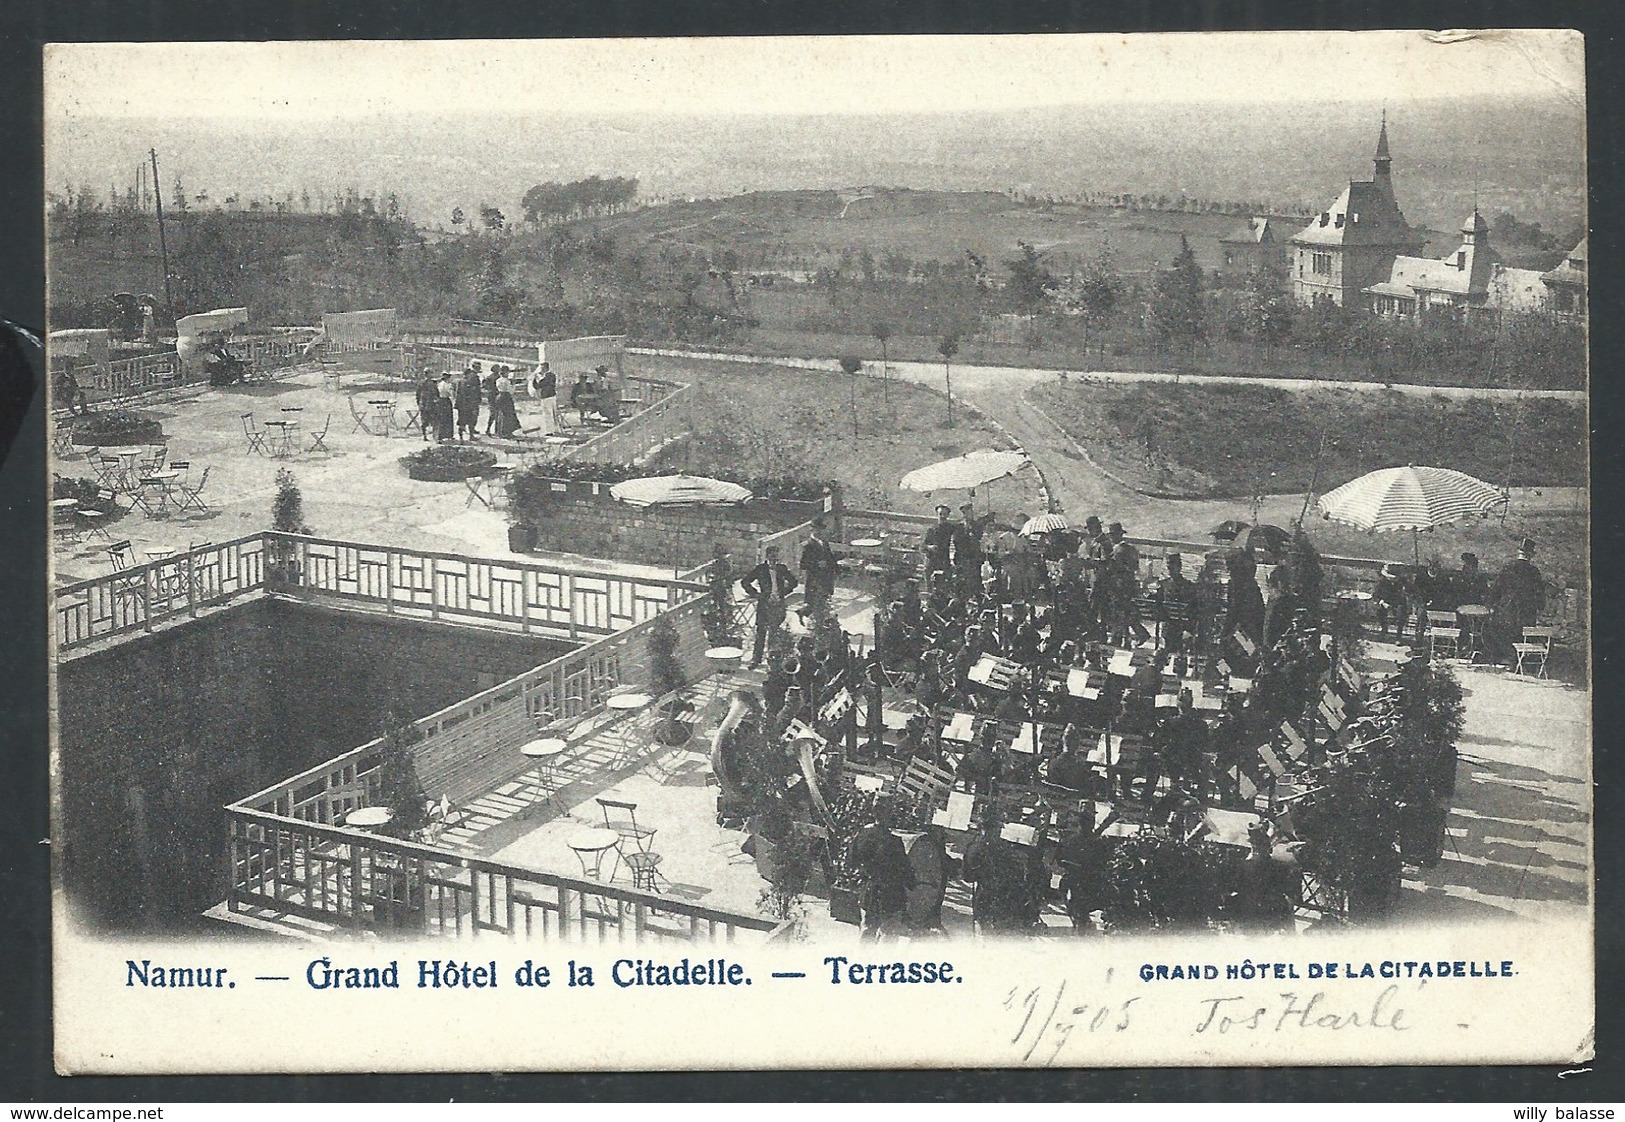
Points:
(1382, 160)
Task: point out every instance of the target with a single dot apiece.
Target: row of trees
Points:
(550, 202)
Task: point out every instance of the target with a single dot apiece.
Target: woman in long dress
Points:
(507, 419)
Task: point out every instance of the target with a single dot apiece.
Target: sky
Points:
(845, 75)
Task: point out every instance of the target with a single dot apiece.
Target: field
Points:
(1198, 441)
(758, 420)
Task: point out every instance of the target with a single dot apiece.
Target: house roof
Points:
(1365, 214)
(1572, 269)
(1257, 231)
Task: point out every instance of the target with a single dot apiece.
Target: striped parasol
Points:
(1043, 524)
(1409, 498)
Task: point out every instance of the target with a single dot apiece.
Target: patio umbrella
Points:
(678, 490)
(965, 472)
(1044, 524)
(1409, 498)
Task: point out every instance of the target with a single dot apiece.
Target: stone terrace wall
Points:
(583, 518)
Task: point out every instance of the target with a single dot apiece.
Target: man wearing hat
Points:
(1516, 598)
(818, 569)
(1121, 581)
(1176, 599)
(1095, 545)
(939, 543)
(968, 549)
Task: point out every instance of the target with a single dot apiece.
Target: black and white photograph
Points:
(931, 529)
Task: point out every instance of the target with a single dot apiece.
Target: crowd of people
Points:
(1045, 606)
(449, 406)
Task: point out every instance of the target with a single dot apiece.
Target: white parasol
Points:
(1409, 498)
(965, 472)
(679, 490)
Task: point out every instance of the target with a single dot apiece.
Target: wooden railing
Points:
(139, 598)
(357, 881)
(472, 746)
(520, 595)
(131, 377)
(657, 424)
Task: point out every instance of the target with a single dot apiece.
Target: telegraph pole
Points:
(163, 242)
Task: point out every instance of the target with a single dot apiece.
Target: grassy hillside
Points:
(1212, 440)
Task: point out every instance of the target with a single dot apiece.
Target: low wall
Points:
(584, 518)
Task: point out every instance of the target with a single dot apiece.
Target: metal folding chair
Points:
(1536, 648)
(254, 435)
(318, 440)
(191, 498)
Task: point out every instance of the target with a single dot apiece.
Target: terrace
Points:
(502, 864)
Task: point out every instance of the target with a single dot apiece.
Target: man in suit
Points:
(939, 542)
(768, 584)
(1516, 597)
(818, 569)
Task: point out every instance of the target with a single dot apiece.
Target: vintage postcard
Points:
(831, 552)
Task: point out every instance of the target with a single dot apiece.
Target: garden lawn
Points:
(1210, 441)
(774, 421)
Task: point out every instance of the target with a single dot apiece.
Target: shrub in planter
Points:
(447, 463)
(117, 427)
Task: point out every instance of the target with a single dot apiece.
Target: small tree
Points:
(882, 331)
(1179, 311)
(401, 789)
(288, 508)
(852, 365)
(947, 347)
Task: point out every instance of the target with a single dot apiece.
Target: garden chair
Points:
(1536, 648)
(254, 435)
(191, 498)
(622, 817)
(94, 520)
(1443, 634)
(318, 440)
(62, 439)
(358, 417)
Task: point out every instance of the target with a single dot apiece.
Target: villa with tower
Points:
(1360, 252)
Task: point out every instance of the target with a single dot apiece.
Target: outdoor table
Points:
(1472, 618)
(480, 486)
(590, 845)
(369, 817)
(627, 702)
(545, 753)
(281, 437)
(384, 407)
(163, 483)
(127, 458)
(725, 659)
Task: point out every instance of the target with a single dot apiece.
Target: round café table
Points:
(545, 755)
(627, 702)
(590, 845)
(1472, 618)
(369, 817)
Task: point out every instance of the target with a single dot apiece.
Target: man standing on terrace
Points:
(818, 569)
(768, 584)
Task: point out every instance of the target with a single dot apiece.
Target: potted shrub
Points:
(287, 517)
(87, 492)
(447, 463)
(117, 427)
(667, 678)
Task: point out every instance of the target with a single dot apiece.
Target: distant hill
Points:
(1520, 155)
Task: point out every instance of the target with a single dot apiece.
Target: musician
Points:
(967, 542)
(1176, 599)
(1082, 855)
(738, 739)
(881, 862)
(939, 544)
(1009, 881)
